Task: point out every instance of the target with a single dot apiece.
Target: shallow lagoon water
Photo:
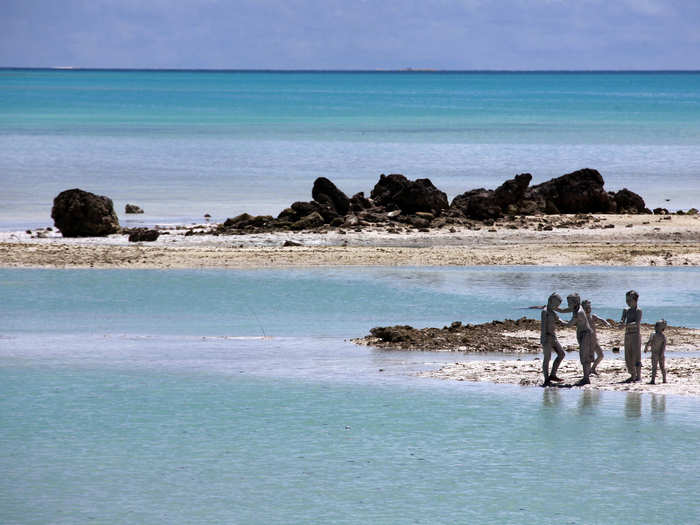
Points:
(182, 144)
(338, 302)
(139, 396)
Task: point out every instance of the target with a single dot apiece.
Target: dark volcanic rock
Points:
(325, 192)
(477, 204)
(627, 201)
(245, 220)
(143, 235)
(132, 208)
(577, 192)
(397, 192)
(388, 185)
(512, 191)
(311, 221)
(302, 208)
(79, 213)
(421, 195)
(483, 204)
(496, 336)
(359, 202)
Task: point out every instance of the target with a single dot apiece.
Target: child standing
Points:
(596, 345)
(632, 319)
(657, 341)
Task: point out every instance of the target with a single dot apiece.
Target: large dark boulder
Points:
(410, 196)
(512, 191)
(79, 213)
(386, 188)
(421, 195)
(482, 204)
(627, 201)
(577, 192)
(325, 192)
(477, 204)
(303, 209)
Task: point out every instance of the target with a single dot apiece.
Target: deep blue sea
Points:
(234, 397)
(182, 144)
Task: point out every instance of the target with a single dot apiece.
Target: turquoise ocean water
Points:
(234, 396)
(153, 397)
(182, 144)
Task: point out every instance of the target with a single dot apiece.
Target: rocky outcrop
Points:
(132, 208)
(496, 336)
(483, 204)
(325, 192)
(396, 201)
(627, 201)
(577, 192)
(78, 213)
(397, 192)
(143, 235)
(581, 191)
(309, 222)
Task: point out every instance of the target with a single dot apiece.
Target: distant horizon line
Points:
(376, 70)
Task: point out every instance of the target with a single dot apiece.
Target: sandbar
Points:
(605, 240)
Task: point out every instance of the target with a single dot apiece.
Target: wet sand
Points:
(683, 374)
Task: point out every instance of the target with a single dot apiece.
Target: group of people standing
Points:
(590, 352)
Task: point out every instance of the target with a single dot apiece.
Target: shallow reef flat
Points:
(683, 374)
(601, 240)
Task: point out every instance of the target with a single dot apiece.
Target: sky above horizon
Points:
(351, 34)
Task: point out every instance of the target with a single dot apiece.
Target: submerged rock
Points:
(132, 208)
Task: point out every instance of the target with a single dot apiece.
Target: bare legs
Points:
(547, 347)
(661, 362)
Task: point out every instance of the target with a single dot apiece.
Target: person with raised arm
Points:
(548, 339)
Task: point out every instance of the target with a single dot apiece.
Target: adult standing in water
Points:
(548, 339)
(632, 319)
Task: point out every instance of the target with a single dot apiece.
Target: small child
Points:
(657, 341)
(596, 345)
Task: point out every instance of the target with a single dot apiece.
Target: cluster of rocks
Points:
(497, 336)
(79, 213)
(419, 204)
(507, 336)
(394, 201)
(581, 191)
